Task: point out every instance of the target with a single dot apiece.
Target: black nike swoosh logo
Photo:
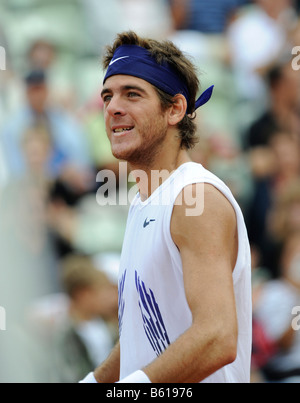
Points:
(146, 223)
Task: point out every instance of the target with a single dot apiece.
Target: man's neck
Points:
(149, 178)
(78, 314)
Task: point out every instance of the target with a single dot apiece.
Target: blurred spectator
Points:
(69, 157)
(43, 55)
(257, 38)
(273, 141)
(88, 334)
(274, 312)
(283, 112)
(45, 145)
(276, 169)
(207, 16)
(283, 219)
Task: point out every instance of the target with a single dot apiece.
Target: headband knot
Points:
(137, 61)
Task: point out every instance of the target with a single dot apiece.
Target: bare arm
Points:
(109, 371)
(208, 248)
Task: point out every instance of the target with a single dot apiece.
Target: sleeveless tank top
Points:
(153, 310)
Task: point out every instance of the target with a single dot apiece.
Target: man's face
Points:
(135, 123)
(37, 95)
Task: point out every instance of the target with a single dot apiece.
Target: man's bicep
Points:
(208, 249)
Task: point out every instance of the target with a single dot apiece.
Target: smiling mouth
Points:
(122, 130)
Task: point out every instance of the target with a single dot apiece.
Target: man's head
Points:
(163, 67)
(284, 84)
(91, 292)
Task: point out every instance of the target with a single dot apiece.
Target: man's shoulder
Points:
(212, 198)
(212, 211)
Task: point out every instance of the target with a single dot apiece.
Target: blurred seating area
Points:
(59, 248)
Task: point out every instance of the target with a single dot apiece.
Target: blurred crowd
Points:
(60, 249)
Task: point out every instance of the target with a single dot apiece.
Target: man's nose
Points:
(115, 107)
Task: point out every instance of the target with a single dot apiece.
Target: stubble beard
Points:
(144, 156)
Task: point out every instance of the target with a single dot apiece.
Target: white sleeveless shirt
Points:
(153, 310)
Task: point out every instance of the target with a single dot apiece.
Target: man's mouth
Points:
(122, 130)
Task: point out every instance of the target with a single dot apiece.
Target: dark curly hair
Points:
(166, 51)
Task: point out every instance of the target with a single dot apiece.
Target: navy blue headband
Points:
(137, 61)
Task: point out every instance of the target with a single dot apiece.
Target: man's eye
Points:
(106, 98)
(132, 94)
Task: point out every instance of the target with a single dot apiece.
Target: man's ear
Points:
(178, 110)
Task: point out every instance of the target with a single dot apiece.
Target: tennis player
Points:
(184, 280)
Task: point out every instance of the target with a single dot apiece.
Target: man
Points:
(69, 150)
(85, 338)
(283, 111)
(184, 279)
(277, 309)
